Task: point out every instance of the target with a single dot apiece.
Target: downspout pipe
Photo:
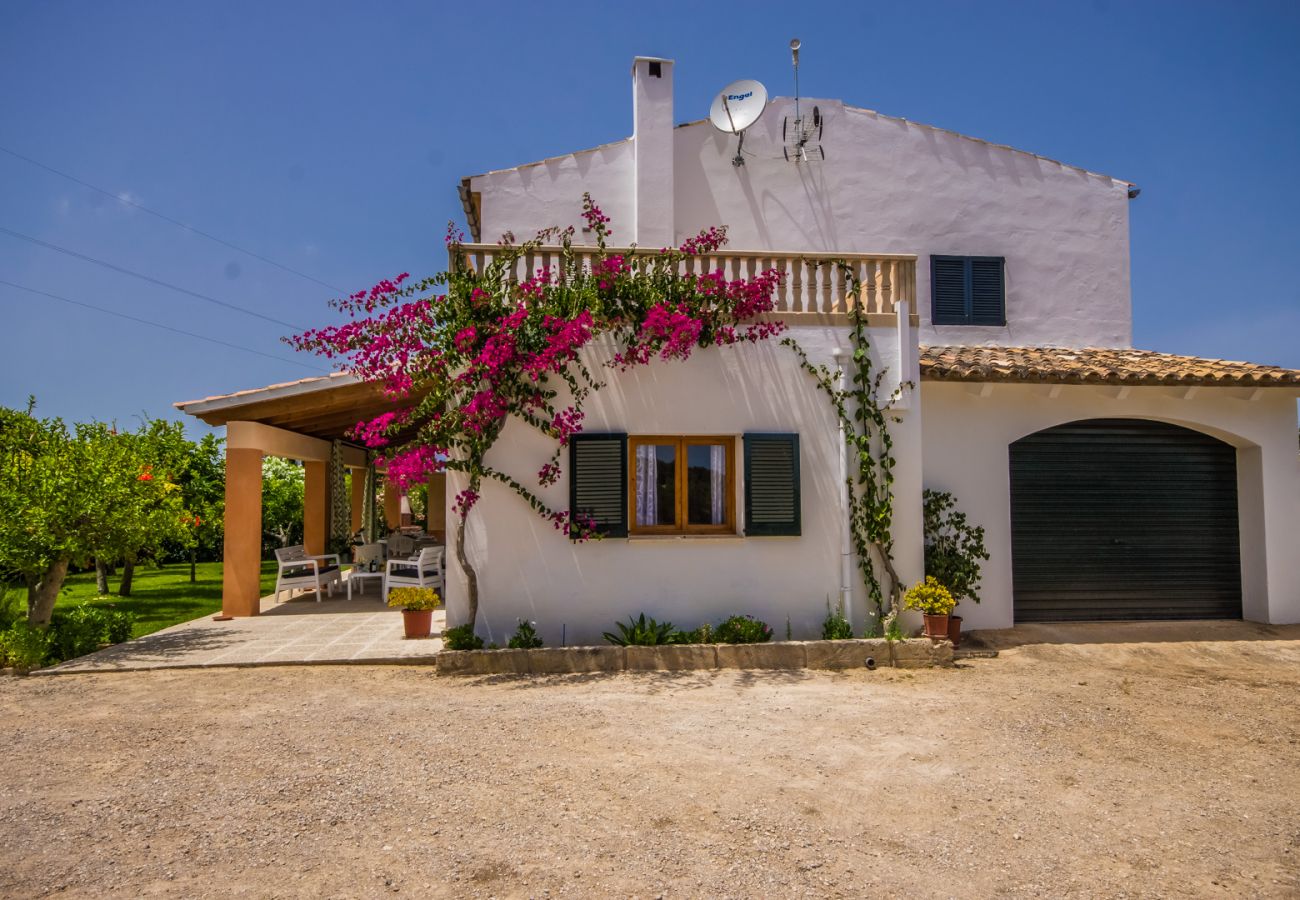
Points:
(846, 538)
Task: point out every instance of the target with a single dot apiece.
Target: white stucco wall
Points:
(529, 570)
(966, 439)
(886, 185)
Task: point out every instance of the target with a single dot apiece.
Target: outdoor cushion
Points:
(410, 572)
(305, 571)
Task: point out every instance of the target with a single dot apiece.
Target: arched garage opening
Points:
(1124, 519)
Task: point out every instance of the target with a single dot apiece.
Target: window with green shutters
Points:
(968, 290)
(772, 497)
(598, 480)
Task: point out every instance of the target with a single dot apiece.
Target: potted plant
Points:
(953, 551)
(417, 606)
(935, 603)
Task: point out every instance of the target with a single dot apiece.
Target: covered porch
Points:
(304, 421)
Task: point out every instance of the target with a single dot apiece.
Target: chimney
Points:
(652, 148)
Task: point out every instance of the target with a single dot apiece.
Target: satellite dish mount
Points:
(738, 106)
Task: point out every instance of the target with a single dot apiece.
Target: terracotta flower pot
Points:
(936, 627)
(418, 623)
(954, 631)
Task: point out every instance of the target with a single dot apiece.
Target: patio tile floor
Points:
(336, 630)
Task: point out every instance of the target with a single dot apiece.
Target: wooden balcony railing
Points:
(813, 286)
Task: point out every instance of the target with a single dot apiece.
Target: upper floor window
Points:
(968, 290)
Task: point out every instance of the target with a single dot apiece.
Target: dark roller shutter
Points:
(987, 294)
(948, 290)
(1124, 519)
(772, 484)
(598, 480)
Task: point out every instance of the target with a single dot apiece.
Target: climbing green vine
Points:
(864, 418)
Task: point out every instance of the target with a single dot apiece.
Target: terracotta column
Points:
(358, 497)
(392, 505)
(315, 507)
(436, 509)
(242, 559)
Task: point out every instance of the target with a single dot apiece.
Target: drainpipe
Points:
(846, 538)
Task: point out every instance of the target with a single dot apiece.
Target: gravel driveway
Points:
(1161, 768)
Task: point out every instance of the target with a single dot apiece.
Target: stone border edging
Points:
(848, 654)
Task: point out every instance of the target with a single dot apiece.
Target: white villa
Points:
(1112, 482)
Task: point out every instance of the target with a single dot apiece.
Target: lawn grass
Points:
(160, 597)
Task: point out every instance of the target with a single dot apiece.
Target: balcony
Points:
(813, 291)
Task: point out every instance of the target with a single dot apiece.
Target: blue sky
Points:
(330, 137)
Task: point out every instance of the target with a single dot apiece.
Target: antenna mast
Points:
(798, 133)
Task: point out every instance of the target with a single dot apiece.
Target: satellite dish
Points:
(735, 108)
(738, 105)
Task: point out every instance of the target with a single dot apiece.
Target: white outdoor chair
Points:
(298, 571)
(424, 570)
(400, 546)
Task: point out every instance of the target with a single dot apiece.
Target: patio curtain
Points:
(369, 514)
(647, 466)
(340, 503)
(717, 482)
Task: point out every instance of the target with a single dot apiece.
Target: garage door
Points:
(1124, 519)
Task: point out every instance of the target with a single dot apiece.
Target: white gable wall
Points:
(887, 185)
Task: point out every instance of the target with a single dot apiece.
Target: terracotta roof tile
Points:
(1095, 365)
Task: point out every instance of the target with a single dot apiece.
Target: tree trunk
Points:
(194, 558)
(128, 572)
(471, 577)
(40, 601)
(101, 577)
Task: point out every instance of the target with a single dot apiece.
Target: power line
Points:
(150, 279)
(122, 315)
(166, 218)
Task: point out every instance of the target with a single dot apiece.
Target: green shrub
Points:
(643, 632)
(743, 630)
(701, 635)
(462, 637)
(525, 637)
(12, 608)
(76, 632)
(118, 625)
(24, 647)
(836, 627)
(953, 547)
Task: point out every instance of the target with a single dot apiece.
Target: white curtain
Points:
(647, 466)
(718, 481)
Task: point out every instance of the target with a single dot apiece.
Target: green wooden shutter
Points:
(772, 500)
(598, 480)
(987, 291)
(948, 291)
(968, 290)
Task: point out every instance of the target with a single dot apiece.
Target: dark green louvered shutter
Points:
(987, 291)
(772, 484)
(948, 290)
(967, 290)
(598, 480)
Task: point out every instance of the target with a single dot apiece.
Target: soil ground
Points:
(1146, 765)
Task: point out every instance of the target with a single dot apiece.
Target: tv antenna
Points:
(738, 106)
(798, 135)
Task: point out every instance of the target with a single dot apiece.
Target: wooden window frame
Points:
(680, 526)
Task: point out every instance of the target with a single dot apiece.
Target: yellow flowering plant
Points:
(930, 597)
(414, 598)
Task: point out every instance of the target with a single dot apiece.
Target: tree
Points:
(282, 490)
(67, 496)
